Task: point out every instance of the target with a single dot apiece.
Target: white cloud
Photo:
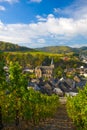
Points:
(57, 10)
(10, 1)
(37, 34)
(77, 9)
(36, 1)
(41, 41)
(40, 18)
(2, 8)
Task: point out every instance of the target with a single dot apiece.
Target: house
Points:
(72, 94)
(58, 92)
(83, 71)
(63, 85)
(44, 71)
(66, 85)
(34, 86)
(76, 79)
(81, 84)
(27, 70)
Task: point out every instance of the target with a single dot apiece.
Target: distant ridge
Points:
(63, 49)
(6, 46)
(11, 47)
(56, 49)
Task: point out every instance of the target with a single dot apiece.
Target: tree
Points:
(58, 72)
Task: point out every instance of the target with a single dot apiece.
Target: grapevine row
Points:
(18, 103)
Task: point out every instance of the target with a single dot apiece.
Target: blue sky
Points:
(39, 23)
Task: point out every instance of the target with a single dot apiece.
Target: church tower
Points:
(52, 63)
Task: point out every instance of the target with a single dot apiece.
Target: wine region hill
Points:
(63, 49)
(6, 47)
(10, 47)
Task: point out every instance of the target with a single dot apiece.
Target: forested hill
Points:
(63, 49)
(6, 46)
(56, 49)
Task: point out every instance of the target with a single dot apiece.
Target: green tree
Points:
(58, 72)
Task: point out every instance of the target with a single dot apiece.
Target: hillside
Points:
(56, 49)
(63, 49)
(6, 46)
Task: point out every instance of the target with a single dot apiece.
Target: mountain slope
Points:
(56, 49)
(6, 46)
(63, 49)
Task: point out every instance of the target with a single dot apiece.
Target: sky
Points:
(40, 23)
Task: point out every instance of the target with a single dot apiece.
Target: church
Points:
(45, 71)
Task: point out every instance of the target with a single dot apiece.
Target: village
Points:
(42, 81)
(47, 84)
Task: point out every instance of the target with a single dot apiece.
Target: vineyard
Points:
(32, 108)
(60, 121)
(77, 109)
(20, 104)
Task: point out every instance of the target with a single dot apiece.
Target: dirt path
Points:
(60, 121)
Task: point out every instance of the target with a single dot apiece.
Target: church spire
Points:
(52, 63)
